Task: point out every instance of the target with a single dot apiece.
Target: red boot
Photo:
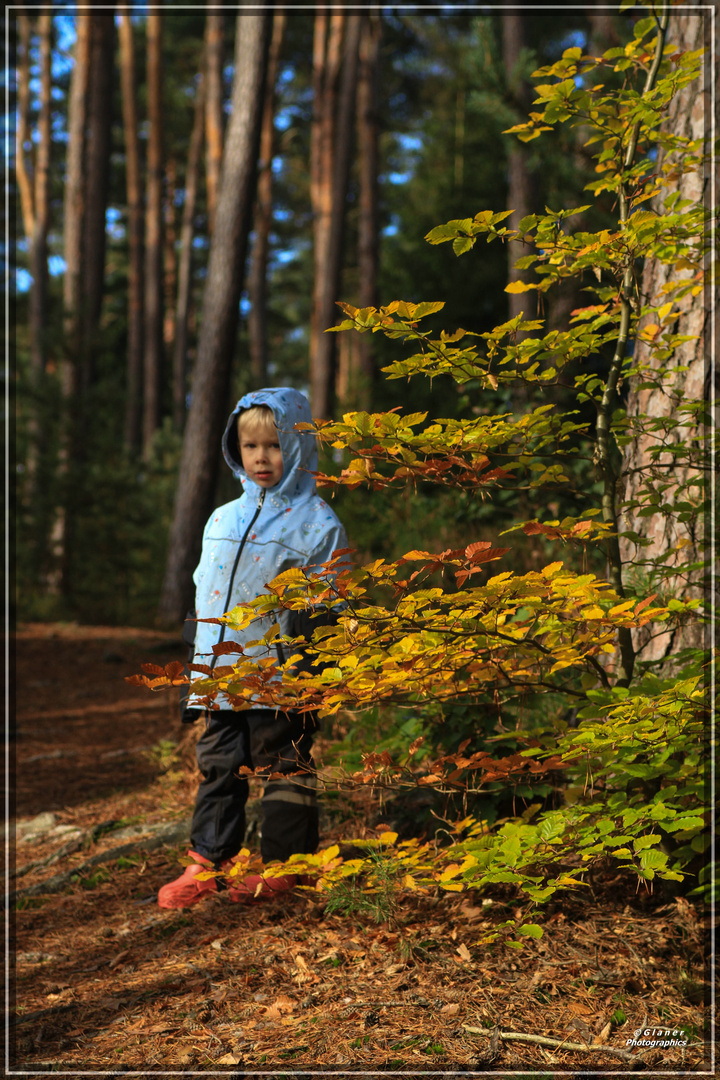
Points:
(256, 888)
(185, 890)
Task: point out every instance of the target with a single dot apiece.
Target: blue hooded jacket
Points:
(249, 541)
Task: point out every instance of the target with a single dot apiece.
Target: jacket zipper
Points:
(233, 572)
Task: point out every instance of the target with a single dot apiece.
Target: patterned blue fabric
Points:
(293, 527)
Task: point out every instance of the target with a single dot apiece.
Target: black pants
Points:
(256, 738)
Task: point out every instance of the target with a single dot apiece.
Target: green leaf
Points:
(530, 930)
(463, 244)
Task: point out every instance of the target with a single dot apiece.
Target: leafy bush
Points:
(554, 653)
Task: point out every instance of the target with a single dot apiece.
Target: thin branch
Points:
(562, 1044)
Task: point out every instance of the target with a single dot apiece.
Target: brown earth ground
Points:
(105, 981)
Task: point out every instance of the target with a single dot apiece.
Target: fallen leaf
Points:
(228, 1059)
(463, 952)
(450, 1010)
(603, 1036)
(392, 969)
(119, 958)
(579, 1008)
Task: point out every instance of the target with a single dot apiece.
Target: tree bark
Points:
(133, 405)
(519, 198)
(74, 196)
(334, 89)
(169, 252)
(368, 109)
(603, 34)
(33, 190)
(257, 283)
(677, 543)
(97, 178)
(22, 175)
(214, 112)
(182, 308)
(211, 380)
(73, 213)
(153, 335)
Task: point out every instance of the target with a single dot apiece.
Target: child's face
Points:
(261, 456)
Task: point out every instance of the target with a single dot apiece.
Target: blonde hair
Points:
(257, 418)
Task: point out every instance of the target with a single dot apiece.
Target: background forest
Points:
(511, 211)
(370, 129)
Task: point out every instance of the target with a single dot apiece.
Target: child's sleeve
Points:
(201, 568)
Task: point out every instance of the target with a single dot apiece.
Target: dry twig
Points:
(544, 1040)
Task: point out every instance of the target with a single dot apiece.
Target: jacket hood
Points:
(298, 448)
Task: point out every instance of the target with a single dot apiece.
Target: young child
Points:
(279, 522)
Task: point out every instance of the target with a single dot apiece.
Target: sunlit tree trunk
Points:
(257, 279)
(214, 111)
(368, 110)
(519, 197)
(39, 249)
(169, 252)
(211, 377)
(153, 238)
(182, 311)
(327, 55)
(679, 542)
(133, 406)
(334, 87)
(74, 193)
(35, 214)
(73, 215)
(22, 133)
(97, 178)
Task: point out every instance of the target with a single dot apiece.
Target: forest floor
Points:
(103, 980)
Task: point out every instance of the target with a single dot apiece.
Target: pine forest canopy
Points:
(121, 126)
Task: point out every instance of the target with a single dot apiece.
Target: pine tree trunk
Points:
(257, 282)
(97, 178)
(211, 380)
(679, 543)
(335, 87)
(39, 256)
(369, 223)
(133, 406)
(182, 309)
(40, 215)
(22, 134)
(74, 196)
(214, 112)
(169, 252)
(602, 30)
(73, 213)
(519, 197)
(153, 335)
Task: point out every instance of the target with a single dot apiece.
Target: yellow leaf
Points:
(625, 606)
(551, 568)
(388, 837)
(592, 612)
(519, 287)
